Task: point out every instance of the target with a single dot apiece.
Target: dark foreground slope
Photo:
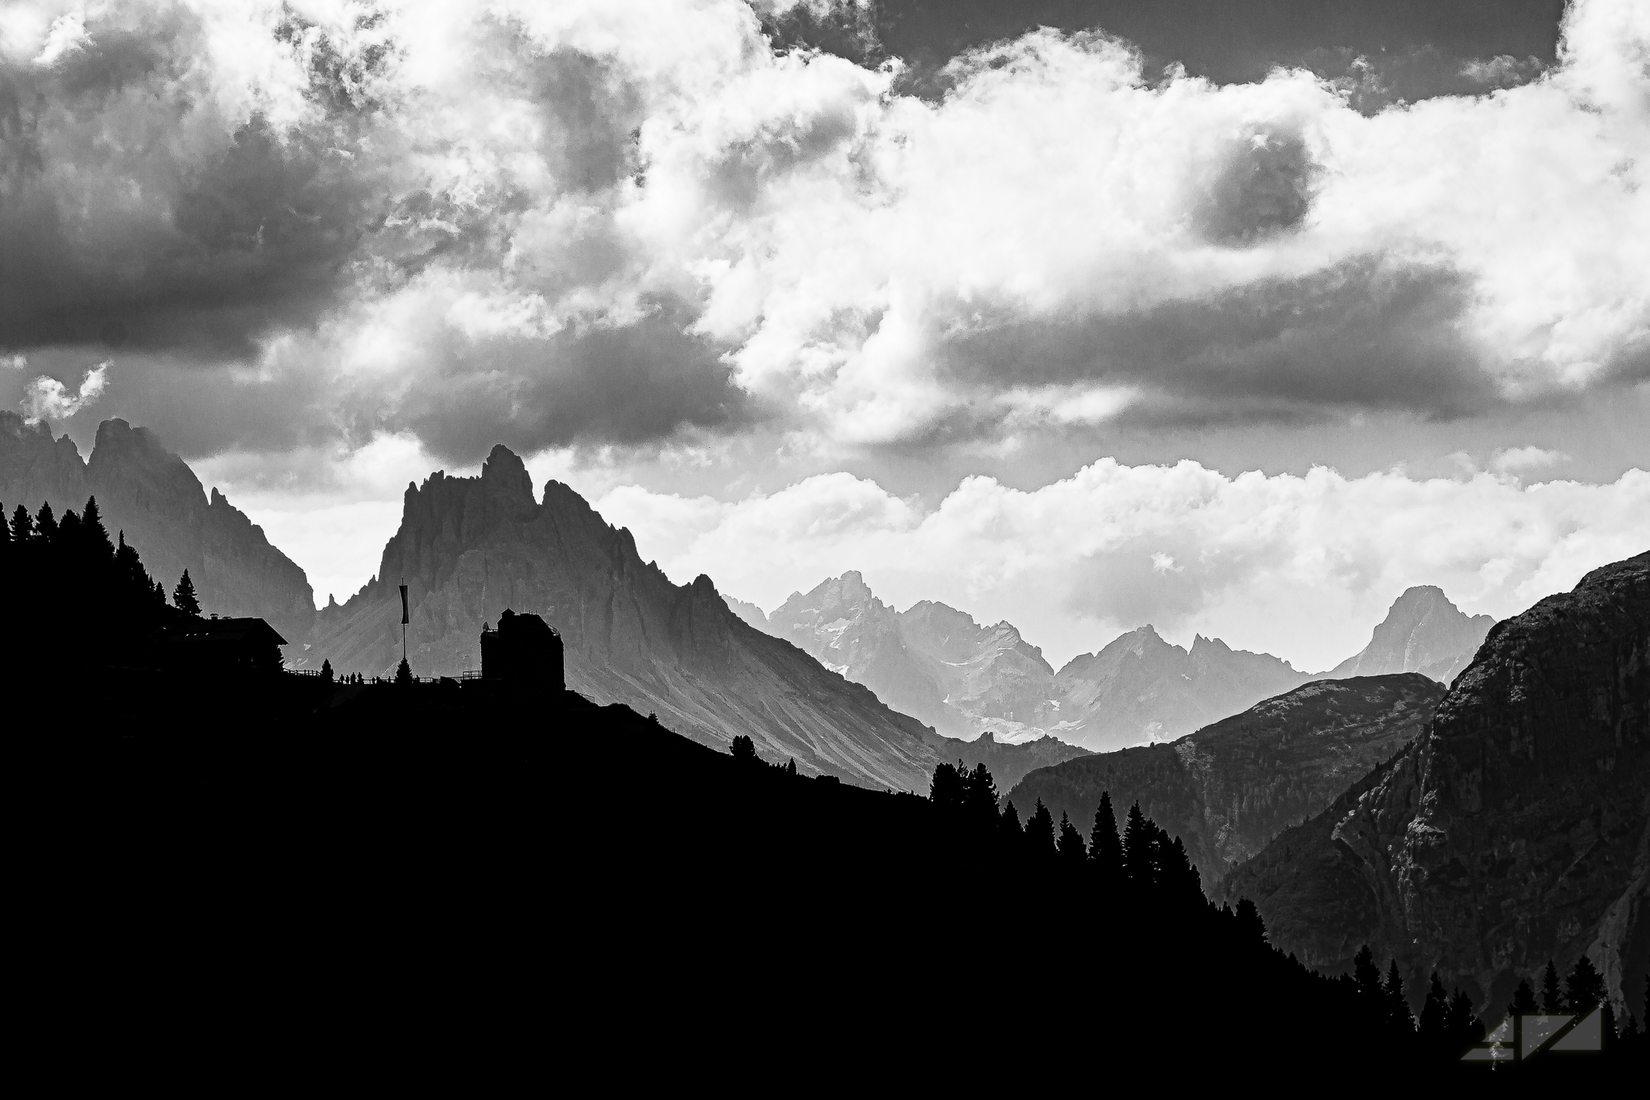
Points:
(1516, 830)
(1229, 788)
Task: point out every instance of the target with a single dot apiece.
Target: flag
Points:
(403, 605)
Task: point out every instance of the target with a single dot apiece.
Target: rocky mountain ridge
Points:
(1515, 830)
(155, 498)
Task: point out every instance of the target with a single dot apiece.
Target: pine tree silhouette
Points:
(1008, 827)
(1105, 849)
(1040, 832)
(45, 523)
(1552, 997)
(979, 797)
(183, 596)
(1367, 976)
(1523, 1001)
(1462, 1027)
(1070, 845)
(743, 749)
(95, 534)
(326, 670)
(22, 525)
(1435, 1013)
(403, 671)
(1397, 1006)
(1584, 989)
(1137, 856)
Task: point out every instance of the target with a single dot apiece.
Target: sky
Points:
(1232, 316)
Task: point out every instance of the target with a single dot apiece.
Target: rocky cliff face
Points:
(1423, 632)
(152, 495)
(1232, 786)
(468, 548)
(1517, 829)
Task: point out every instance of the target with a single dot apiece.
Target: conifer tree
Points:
(1462, 1027)
(326, 671)
(742, 748)
(945, 789)
(1008, 827)
(1250, 926)
(1397, 1005)
(1070, 846)
(790, 768)
(1584, 989)
(403, 673)
(22, 525)
(1367, 975)
(1552, 997)
(45, 523)
(1523, 1001)
(1137, 856)
(93, 531)
(183, 596)
(1105, 849)
(980, 797)
(1040, 831)
(1435, 1012)
(160, 594)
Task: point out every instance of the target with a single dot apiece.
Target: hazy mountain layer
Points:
(1515, 830)
(151, 494)
(1229, 788)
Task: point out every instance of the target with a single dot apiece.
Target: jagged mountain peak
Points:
(1423, 631)
(505, 470)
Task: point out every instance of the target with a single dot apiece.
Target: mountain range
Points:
(939, 665)
(1514, 830)
(152, 495)
(470, 547)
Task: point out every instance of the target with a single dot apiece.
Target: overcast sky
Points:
(1231, 316)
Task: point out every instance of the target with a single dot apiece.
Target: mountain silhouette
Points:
(155, 498)
(470, 547)
(1515, 830)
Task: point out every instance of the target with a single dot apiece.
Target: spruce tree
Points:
(45, 523)
(742, 748)
(1040, 831)
(1397, 1005)
(403, 672)
(980, 797)
(1435, 1012)
(22, 525)
(1552, 997)
(1367, 976)
(92, 530)
(183, 596)
(1523, 1002)
(1462, 1027)
(326, 671)
(790, 768)
(1105, 849)
(1070, 845)
(1137, 856)
(1584, 989)
(1008, 826)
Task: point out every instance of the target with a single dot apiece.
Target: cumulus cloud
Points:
(47, 398)
(1298, 566)
(623, 221)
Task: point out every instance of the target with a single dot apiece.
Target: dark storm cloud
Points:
(1362, 335)
(1224, 40)
(628, 384)
(132, 216)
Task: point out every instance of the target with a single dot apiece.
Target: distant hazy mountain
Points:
(1141, 689)
(1515, 830)
(468, 548)
(1232, 786)
(151, 494)
(1423, 632)
(747, 611)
